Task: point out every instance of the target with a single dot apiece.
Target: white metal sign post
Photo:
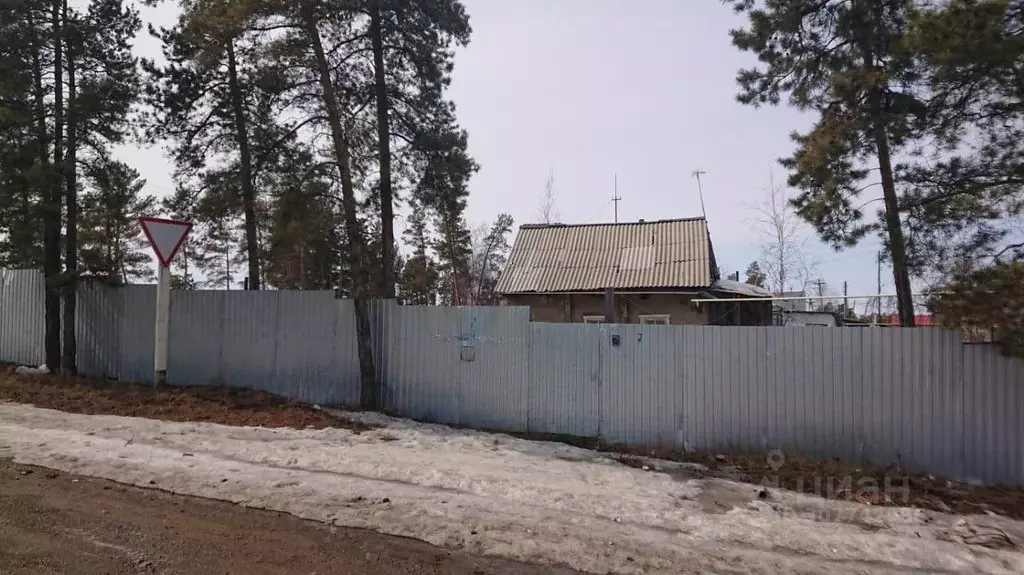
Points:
(166, 238)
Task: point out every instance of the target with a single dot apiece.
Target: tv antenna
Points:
(700, 191)
(616, 198)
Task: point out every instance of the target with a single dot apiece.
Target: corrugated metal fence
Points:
(874, 395)
(296, 344)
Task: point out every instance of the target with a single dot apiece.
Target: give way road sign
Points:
(166, 237)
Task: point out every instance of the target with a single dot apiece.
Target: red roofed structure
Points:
(919, 320)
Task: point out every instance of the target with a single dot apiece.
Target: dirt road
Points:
(54, 523)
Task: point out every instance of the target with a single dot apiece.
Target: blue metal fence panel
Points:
(423, 375)
(993, 426)
(564, 385)
(494, 346)
(919, 397)
(138, 333)
(98, 330)
(309, 365)
(21, 313)
(249, 345)
(346, 383)
(642, 384)
(196, 337)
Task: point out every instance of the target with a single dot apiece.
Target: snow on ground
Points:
(492, 494)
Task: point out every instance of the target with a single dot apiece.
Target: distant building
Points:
(808, 319)
(656, 270)
(792, 304)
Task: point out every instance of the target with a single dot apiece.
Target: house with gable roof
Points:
(655, 270)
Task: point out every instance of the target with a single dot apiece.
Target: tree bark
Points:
(69, 361)
(387, 217)
(245, 160)
(894, 228)
(897, 244)
(369, 396)
(52, 221)
(39, 103)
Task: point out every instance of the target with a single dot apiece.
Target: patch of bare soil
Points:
(224, 405)
(56, 523)
(828, 478)
(891, 486)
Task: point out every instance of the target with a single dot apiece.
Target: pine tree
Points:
(20, 239)
(960, 202)
(318, 59)
(411, 45)
(206, 96)
(846, 61)
(102, 89)
(443, 190)
(986, 300)
(419, 277)
(490, 258)
(220, 245)
(964, 203)
(181, 206)
(69, 84)
(111, 245)
(755, 276)
(303, 235)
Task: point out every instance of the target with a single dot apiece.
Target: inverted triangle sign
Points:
(166, 237)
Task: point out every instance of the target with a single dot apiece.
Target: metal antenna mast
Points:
(700, 191)
(615, 197)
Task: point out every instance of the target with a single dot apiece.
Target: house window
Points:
(593, 319)
(655, 319)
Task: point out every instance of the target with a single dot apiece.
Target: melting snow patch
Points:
(497, 495)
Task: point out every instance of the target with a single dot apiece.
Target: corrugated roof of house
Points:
(635, 255)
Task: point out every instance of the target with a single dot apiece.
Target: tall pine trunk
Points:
(39, 105)
(879, 123)
(360, 280)
(69, 360)
(52, 217)
(894, 228)
(252, 251)
(387, 217)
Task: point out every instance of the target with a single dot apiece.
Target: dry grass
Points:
(863, 484)
(227, 406)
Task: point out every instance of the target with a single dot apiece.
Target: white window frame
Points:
(593, 319)
(656, 319)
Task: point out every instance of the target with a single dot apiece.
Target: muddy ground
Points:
(56, 523)
(239, 406)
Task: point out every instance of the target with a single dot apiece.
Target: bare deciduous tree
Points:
(547, 213)
(784, 261)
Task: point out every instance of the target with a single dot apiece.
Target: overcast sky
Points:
(592, 89)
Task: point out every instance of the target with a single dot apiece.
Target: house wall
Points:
(572, 308)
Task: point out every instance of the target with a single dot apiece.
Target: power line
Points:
(597, 213)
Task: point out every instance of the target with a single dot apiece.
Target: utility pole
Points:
(821, 292)
(846, 299)
(700, 191)
(615, 197)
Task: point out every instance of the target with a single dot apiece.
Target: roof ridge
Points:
(637, 223)
(673, 253)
